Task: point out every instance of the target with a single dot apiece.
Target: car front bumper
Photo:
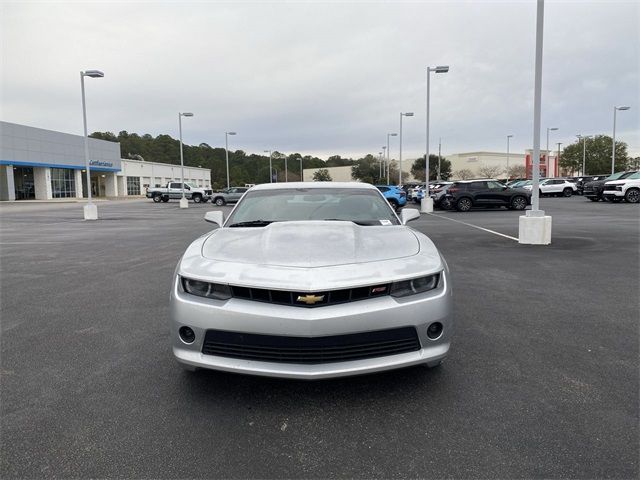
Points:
(246, 316)
(612, 194)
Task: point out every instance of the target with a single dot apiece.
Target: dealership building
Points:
(38, 164)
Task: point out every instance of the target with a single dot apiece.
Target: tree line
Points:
(254, 168)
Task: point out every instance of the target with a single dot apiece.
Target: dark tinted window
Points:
(475, 186)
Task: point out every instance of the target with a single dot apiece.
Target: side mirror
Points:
(214, 216)
(408, 214)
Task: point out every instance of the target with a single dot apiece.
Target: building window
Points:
(63, 183)
(133, 185)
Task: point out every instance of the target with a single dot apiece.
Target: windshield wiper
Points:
(253, 223)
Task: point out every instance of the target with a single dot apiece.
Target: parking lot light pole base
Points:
(426, 205)
(90, 211)
(184, 203)
(534, 228)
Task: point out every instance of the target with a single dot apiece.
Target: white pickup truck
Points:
(173, 190)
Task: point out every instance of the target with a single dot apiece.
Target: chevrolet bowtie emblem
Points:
(310, 299)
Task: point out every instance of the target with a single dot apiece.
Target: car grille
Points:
(310, 350)
(307, 299)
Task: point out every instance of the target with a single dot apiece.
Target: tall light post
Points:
(226, 152)
(534, 228)
(549, 129)
(301, 172)
(557, 157)
(90, 210)
(388, 153)
(509, 137)
(184, 203)
(270, 167)
(409, 114)
(427, 199)
(384, 162)
(584, 152)
(613, 152)
(439, 156)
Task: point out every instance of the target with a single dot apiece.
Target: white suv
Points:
(556, 186)
(628, 188)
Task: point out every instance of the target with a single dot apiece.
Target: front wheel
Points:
(632, 195)
(157, 198)
(197, 198)
(165, 199)
(220, 201)
(394, 204)
(464, 205)
(519, 203)
(567, 192)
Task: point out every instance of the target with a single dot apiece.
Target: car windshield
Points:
(361, 206)
(619, 175)
(635, 176)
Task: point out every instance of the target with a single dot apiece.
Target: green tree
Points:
(338, 161)
(322, 175)
(417, 168)
(367, 169)
(597, 155)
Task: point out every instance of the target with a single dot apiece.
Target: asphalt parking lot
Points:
(542, 380)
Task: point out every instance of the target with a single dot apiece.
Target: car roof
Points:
(477, 180)
(318, 185)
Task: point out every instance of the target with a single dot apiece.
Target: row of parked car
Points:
(466, 194)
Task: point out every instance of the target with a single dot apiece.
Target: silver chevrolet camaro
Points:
(311, 280)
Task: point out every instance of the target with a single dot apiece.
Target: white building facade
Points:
(39, 164)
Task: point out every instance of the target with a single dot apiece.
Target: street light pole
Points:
(439, 156)
(270, 167)
(584, 152)
(184, 203)
(301, 172)
(613, 152)
(438, 69)
(509, 137)
(409, 114)
(90, 210)
(388, 153)
(557, 157)
(552, 129)
(226, 152)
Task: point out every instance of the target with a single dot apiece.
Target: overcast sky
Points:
(326, 77)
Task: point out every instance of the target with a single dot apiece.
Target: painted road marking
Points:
(475, 226)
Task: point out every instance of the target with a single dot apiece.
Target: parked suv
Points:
(593, 190)
(555, 186)
(627, 188)
(582, 181)
(466, 194)
(228, 195)
(396, 196)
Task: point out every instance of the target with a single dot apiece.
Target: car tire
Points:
(540, 194)
(632, 195)
(464, 204)
(518, 203)
(567, 192)
(165, 199)
(394, 204)
(219, 201)
(197, 198)
(157, 198)
(593, 199)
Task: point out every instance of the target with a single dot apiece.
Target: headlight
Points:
(415, 285)
(206, 289)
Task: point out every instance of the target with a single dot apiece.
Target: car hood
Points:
(310, 244)
(309, 256)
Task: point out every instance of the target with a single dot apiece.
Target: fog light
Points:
(187, 335)
(434, 330)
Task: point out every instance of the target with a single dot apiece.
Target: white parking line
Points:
(475, 226)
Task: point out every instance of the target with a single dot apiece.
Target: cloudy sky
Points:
(325, 77)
